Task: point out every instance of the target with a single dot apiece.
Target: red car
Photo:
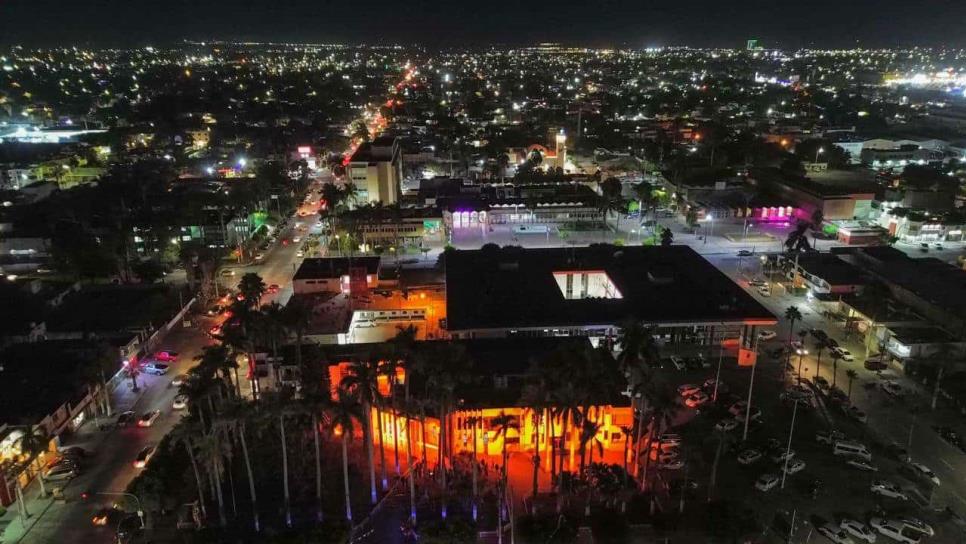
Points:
(272, 289)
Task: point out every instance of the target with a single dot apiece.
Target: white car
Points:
(887, 489)
(300, 253)
(766, 335)
(793, 467)
(180, 402)
(845, 354)
(862, 464)
(895, 530)
(671, 464)
(677, 362)
(780, 458)
(858, 530)
(764, 291)
(158, 369)
(766, 482)
(726, 425)
(917, 524)
(923, 471)
(835, 534)
(61, 472)
(688, 389)
(748, 457)
(296, 239)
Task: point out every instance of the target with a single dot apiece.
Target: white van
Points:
(853, 449)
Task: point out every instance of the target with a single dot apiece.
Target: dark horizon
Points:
(606, 23)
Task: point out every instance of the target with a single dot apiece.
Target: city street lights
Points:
(818, 152)
(710, 218)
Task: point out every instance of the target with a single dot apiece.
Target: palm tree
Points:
(835, 366)
(473, 422)
(297, 316)
(942, 358)
(851, 375)
(34, 442)
(343, 415)
(820, 346)
(236, 417)
(211, 447)
(503, 424)
(663, 409)
(361, 381)
(252, 287)
(186, 434)
(315, 405)
(588, 438)
(792, 314)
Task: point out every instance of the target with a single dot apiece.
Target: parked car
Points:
(671, 464)
(766, 482)
(923, 471)
(892, 388)
(677, 362)
(696, 400)
(858, 530)
(125, 418)
(179, 380)
(780, 457)
(844, 354)
(148, 418)
(166, 355)
(855, 413)
(895, 530)
(180, 402)
(862, 464)
(745, 253)
(835, 534)
(61, 472)
(748, 457)
(158, 369)
(887, 489)
(794, 466)
(875, 364)
(688, 389)
(829, 437)
(726, 425)
(764, 291)
(766, 335)
(918, 525)
(144, 456)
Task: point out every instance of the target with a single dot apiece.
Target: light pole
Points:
(788, 448)
(818, 152)
(717, 375)
(751, 385)
(711, 233)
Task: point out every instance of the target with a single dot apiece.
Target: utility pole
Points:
(751, 385)
(788, 448)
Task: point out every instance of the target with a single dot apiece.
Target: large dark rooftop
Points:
(513, 287)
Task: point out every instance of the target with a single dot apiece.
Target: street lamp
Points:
(710, 217)
(801, 353)
(819, 151)
(788, 448)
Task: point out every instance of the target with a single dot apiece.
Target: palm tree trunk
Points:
(288, 506)
(382, 450)
(345, 477)
(251, 479)
(318, 468)
(216, 477)
(572, 440)
(367, 431)
(536, 458)
(553, 449)
(412, 470)
(422, 435)
(647, 455)
(194, 467)
(637, 441)
(474, 467)
(395, 432)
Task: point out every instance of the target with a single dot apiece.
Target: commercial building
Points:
(807, 196)
(376, 169)
(591, 291)
(393, 227)
(822, 273)
(336, 275)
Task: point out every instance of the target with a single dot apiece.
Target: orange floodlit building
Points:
(497, 373)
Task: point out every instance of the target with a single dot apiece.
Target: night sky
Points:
(634, 23)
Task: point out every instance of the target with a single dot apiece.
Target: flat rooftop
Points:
(334, 267)
(524, 288)
(831, 269)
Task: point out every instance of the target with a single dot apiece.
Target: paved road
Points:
(111, 467)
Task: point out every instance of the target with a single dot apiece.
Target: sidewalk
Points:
(89, 436)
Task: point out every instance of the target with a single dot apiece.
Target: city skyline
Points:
(615, 23)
